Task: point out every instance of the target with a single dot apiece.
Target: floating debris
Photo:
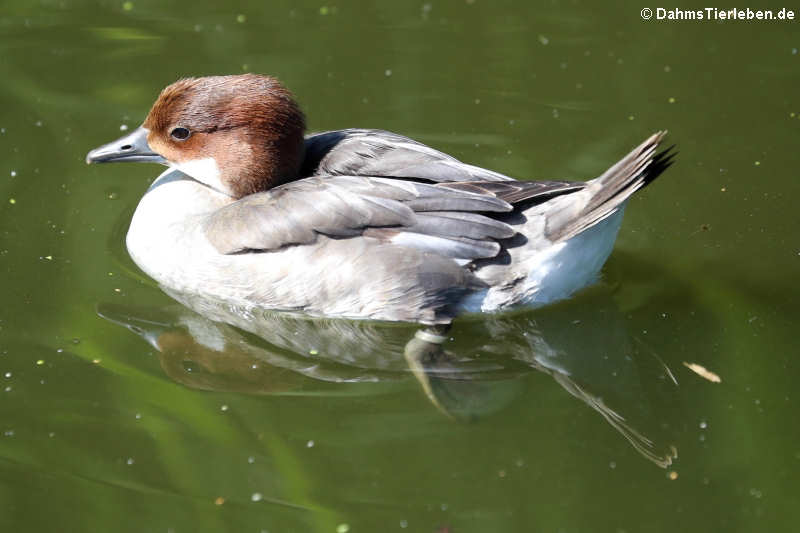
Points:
(219, 500)
(342, 528)
(673, 475)
(703, 372)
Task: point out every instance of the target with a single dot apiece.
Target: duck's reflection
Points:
(473, 369)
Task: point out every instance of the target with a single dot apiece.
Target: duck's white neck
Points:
(175, 195)
(205, 171)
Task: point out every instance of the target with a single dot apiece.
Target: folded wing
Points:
(385, 186)
(453, 219)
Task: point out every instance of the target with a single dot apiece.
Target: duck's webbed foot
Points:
(430, 362)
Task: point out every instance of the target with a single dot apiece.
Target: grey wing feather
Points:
(515, 192)
(378, 153)
(431, 218)
(364, 152)
(456, 224)
(296, 213)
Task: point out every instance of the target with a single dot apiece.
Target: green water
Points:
(123, 411)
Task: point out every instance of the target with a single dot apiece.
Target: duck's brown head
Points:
(236, 134)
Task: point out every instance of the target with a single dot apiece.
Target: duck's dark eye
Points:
(180, 134)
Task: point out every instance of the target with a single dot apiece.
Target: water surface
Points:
(123, 410)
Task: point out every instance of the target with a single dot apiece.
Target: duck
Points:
(354, 223)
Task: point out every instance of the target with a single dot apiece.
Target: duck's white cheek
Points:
(205, 171)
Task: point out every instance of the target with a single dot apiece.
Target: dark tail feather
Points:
(634, 171)
(661, 162)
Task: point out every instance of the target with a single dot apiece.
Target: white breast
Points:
(165, 237)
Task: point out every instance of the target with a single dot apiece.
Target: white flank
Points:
(555, 272)
(569, 266)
